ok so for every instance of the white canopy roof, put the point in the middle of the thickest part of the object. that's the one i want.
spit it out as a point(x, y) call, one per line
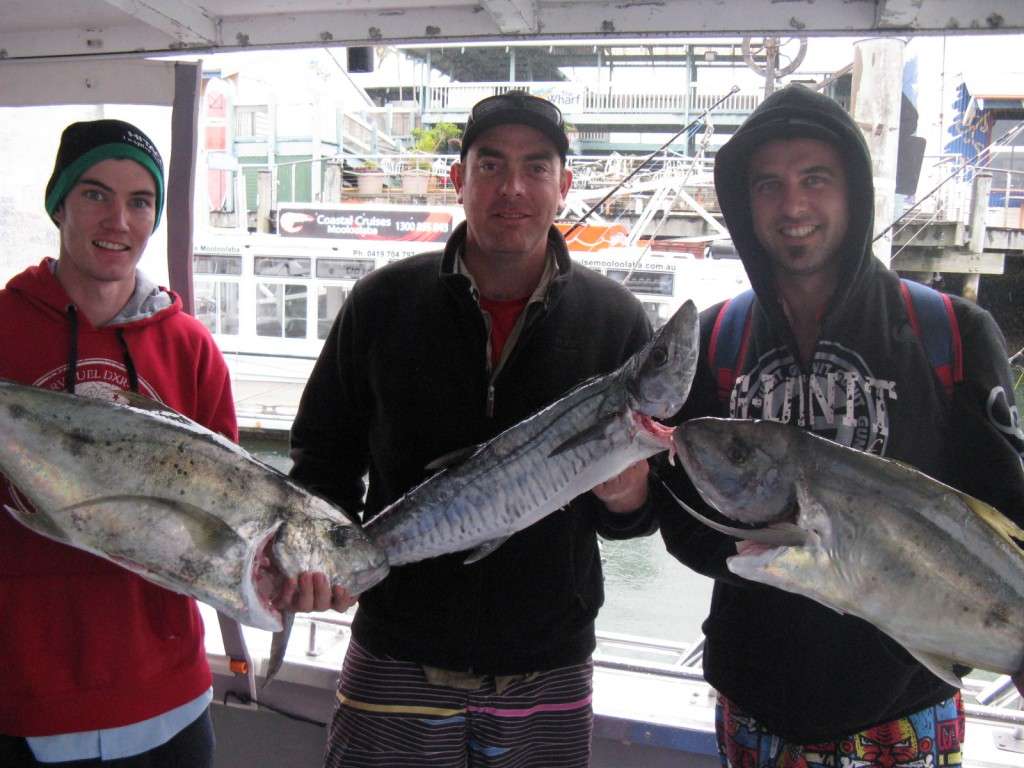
point(31, 29)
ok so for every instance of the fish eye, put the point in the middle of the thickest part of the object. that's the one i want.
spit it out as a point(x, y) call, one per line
point(659, 356)
point(737, 454)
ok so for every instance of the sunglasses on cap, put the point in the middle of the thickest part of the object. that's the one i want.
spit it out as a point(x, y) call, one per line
point(516, 100)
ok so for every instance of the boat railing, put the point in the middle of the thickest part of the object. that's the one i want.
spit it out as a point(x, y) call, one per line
point(992, 700)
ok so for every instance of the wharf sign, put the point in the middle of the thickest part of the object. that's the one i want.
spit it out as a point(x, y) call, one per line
point(409, 225)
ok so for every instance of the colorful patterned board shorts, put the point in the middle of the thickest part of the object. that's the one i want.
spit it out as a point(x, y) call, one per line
point(390, 716)
point(930, 738)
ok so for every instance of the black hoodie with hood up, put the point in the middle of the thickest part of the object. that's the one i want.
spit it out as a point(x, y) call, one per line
point(806, 672)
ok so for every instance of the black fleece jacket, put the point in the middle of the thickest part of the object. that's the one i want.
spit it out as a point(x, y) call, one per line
point(402, 380)
point(804, 671)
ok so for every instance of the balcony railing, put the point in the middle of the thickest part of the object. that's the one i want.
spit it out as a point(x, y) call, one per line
point(577, 101)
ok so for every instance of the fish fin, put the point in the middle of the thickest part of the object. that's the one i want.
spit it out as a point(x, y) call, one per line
point(594, 432)
point(40, 522)
point(939, 666)
point(996, 520)
point(484, 550)
point(777, 534)
point(206, 528)
point(452, 458)
point(125, 397)
point(277, 648)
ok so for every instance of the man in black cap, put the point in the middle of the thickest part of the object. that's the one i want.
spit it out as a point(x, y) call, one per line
point(453, 664)
point(832, 341)
point(99, 664)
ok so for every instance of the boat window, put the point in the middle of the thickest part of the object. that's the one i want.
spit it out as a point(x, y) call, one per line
point(343, 269)
point(283, 266)
point(654, 283)
point(208, 264)
point(281, 310)
point(328, 303)
point(216, 305)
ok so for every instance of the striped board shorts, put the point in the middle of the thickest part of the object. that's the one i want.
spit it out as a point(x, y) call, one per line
point(388, 714)
point(930, 738)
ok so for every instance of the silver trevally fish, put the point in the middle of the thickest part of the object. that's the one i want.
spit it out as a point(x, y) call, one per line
point(543, 462)
point(147, 488)
point(937, 570)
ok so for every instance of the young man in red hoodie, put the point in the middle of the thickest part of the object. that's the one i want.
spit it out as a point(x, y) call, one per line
point(99, 664)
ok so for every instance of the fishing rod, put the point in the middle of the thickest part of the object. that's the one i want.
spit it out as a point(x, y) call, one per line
point(698, 119)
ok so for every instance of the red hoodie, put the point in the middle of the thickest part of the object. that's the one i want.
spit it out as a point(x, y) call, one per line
point(86, 644)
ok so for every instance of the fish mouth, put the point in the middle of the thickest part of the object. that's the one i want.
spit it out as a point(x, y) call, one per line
point(266, 583)
point(658, 432)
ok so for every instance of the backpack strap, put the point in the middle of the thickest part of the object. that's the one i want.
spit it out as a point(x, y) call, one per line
point(934, 322)
point(729, 340)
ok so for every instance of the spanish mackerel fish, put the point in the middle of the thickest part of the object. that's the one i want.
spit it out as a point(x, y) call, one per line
point(149, 489)
point(936, 570)
point(543, 462)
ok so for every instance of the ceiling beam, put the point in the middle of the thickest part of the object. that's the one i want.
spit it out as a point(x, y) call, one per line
point(951, 15)
point(186, 24)
point(168, 26)
point(513, 17)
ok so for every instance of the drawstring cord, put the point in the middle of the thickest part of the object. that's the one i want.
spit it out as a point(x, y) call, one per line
point(129, 364)
point(72, 368)
point(71, 373)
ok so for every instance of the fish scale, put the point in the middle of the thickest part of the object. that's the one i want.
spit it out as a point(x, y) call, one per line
point(545, 461)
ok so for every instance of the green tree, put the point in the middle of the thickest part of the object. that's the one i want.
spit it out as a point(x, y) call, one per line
point(434, 140)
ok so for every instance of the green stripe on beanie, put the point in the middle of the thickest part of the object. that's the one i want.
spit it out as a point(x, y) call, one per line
point(85, 144)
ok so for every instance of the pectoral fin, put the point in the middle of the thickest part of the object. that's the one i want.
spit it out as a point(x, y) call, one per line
point(40, 522)
point(941, 667)
point(277, 648)
point(484, 550)
point(206, 530)
point(776, 534)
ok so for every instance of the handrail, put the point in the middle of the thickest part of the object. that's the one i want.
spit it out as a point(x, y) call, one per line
point(686, 666)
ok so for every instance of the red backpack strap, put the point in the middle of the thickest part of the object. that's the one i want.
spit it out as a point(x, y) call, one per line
point(729, 340)
point(935, 325)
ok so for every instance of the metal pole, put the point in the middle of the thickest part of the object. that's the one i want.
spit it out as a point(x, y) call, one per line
point(875, 106)
point(980, 190)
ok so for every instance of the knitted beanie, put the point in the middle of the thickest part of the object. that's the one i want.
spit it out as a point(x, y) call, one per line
point(84, 144)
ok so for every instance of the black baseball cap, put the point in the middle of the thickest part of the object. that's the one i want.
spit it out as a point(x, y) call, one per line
point(516, 107)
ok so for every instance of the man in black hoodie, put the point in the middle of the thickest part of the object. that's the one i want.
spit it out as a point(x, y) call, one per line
point(798, 681)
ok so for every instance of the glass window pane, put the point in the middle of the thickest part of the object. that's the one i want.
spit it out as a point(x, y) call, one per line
point(656, 283)
point(343, 269)
point(205, 264)
point(227, 315)
point(283, 266)
point(328, 303)
point(205, 300)
point(269, 309)
point(295, 311)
